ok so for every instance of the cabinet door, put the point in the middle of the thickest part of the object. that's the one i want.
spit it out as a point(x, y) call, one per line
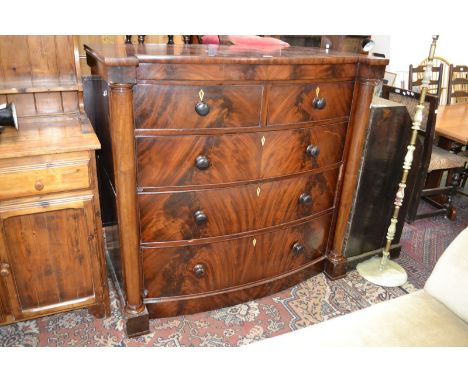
point(49, 254)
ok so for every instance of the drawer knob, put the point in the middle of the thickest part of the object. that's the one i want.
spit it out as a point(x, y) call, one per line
point(202, 162)
point(39, 185)
point(305, 199)
point(202, 108)
point(319, 102)
point(298, 247)
point(4, 270)
point(199, 270)
point(200, 217)
point(312, 150)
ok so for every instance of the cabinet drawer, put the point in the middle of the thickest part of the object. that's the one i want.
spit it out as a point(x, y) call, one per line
point(203, 268)
point(294, 103)
point(172, 216)
point(172, 161)
point(173, 107)
point(44, 174)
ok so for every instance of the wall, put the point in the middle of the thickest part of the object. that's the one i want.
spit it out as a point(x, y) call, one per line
point(403, 50)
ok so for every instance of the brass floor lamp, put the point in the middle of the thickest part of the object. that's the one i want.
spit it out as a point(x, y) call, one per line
point(383, 271)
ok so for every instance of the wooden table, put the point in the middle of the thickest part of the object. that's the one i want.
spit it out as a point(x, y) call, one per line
point(452, 122)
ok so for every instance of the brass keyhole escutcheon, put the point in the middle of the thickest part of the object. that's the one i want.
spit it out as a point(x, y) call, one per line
point(201, 94)
point(258, 191)
point(254, 242)
point(263, 141)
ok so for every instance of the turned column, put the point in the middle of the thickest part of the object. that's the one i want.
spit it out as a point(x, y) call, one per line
point(123, 143)
point(367, 79)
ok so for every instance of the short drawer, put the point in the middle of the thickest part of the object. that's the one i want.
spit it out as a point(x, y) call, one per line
point(212, 159)
point(202, 268)
point(299, 103)
point(44, 174)
point(174, 107)
point(187, 215)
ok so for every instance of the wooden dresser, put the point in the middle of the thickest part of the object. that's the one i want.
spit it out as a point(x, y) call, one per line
point(51, 249)
point(228, 168)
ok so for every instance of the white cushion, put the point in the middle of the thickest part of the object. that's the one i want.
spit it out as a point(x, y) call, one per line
point(448, 282)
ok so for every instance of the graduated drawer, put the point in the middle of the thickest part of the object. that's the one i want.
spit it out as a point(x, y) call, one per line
point(44, 174)
point(174, 160)
point(187, 215)
point(202, 268)
point(299, 103)
point(173, 106)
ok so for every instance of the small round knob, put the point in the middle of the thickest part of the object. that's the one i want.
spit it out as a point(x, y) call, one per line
point(319, 102)
point(312, 150)
point(199, 270)
point(305, 199)
point(200, 217)
point(298, 247)
point(39, 185)
point(202, 108)
point(202, 162)
point(4, 270)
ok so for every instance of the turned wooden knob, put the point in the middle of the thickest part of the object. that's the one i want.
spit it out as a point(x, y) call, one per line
point(202, 162)
point(305, 199)
point(202, 108)
point(4, 270)
point(39, 185)
point(312, 150)
point(319, 102)
point(200, 217)
point(298, 247)
point(199, 270)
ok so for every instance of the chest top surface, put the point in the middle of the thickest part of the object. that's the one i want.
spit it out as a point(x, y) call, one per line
point(132, 55)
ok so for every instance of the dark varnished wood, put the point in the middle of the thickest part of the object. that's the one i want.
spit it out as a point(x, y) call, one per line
point(165, 106)
point(251, 94)
point(170, 161)
point(170, 216)
point(172, 271)
point(294, 103)
point(172, 306)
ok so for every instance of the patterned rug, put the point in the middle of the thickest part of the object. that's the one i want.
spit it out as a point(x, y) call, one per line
point(312, 301)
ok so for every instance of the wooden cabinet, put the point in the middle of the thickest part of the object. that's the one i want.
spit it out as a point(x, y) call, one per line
point(232, 171)
point(51, 247)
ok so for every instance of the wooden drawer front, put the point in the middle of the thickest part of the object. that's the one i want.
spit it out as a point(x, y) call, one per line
point(171, 161)
point(294, 103)
point(43, 174)
point(173, 107)
point(171, 216)
point(202, 268)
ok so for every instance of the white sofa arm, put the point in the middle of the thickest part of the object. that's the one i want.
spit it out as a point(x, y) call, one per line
point(448, 282)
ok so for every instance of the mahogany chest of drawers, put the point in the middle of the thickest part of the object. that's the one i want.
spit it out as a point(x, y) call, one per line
point(232, 170)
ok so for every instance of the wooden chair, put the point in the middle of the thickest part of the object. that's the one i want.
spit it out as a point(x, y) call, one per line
point(457, 84)
point(416, 76)
point(428, 158)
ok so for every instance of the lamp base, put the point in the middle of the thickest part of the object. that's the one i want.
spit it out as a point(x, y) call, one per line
point(392, 274)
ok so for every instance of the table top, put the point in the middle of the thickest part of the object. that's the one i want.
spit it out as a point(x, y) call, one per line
point(452, 122)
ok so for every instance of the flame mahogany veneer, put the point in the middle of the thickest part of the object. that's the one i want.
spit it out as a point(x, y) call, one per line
point(232, 170)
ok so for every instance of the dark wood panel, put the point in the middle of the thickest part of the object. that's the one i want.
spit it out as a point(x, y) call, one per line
point(207, 72)
point(177, 306)
point(173, 271)
point(171, 216)
point(167, 106)
point(171, 161)
point(50, 257)
point(295, 103)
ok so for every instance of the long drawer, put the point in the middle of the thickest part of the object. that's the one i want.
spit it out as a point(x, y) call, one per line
point(44, 174)
point(173, 106)
point(211, 159)
point(187, 215)
point(202, 268)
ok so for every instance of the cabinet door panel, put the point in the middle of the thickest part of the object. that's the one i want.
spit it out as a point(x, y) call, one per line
point(50, 257)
